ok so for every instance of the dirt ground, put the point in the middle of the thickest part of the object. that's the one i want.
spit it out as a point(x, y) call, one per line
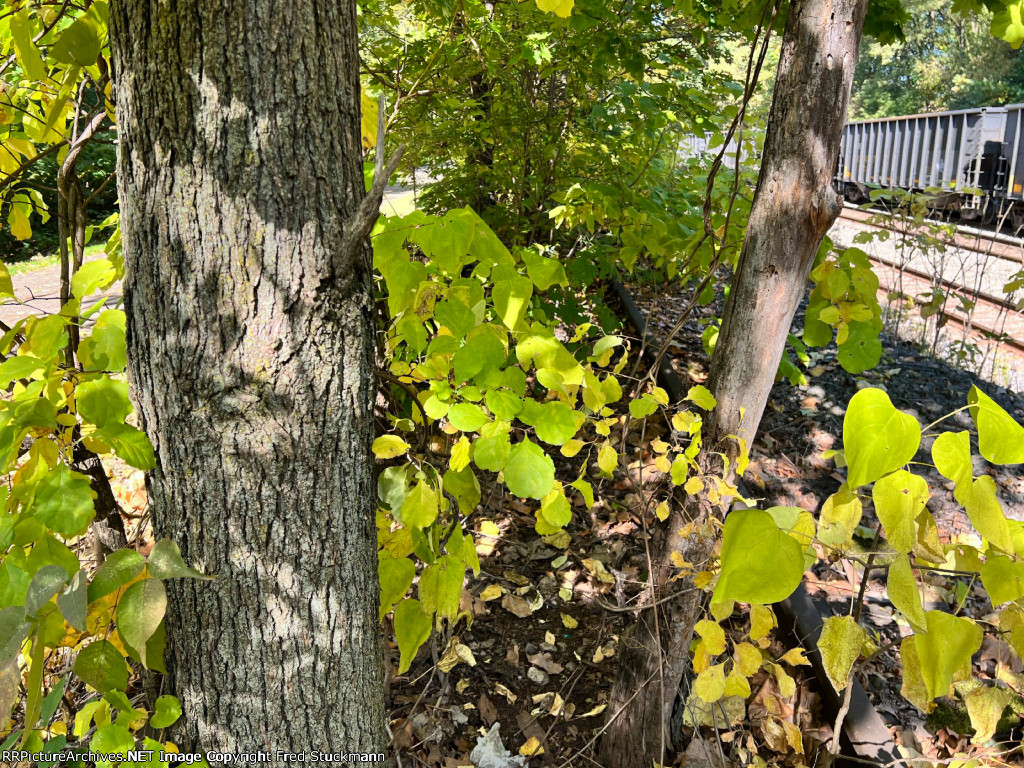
point(548, 616)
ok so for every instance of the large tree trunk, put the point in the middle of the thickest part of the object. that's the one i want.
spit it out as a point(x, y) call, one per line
point(793, 208)
point(250, 348)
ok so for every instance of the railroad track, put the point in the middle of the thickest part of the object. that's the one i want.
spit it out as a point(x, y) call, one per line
point(993, 315)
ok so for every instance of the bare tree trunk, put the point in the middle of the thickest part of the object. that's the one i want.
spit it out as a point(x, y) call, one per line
point(250, 347)
point(793, 208)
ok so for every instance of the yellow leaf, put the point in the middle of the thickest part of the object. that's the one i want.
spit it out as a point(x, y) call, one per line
point(712, 634)
point(531, 747)
point(662, 511)
point(693, 486)
point(596, 568)
point(571, 447)
point(558, 7)
point(793, 736)
point(369, 121)
point(568, 621)
point(679, 562)
point(703, 580)
point(762, 621)
point(710, 684)
point(736, 684)
point(18, 221)
point(787, 685)
point(389, 446)
point(985, 707)
point(488, 534)
point(842, 640)
point(701, 657)
point(461, 452)
point(796, 657)
point(607, 458)
point(491, 592)
point(499, 688)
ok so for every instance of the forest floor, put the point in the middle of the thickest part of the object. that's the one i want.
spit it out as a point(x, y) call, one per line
point(537, 649)
point(546, 616)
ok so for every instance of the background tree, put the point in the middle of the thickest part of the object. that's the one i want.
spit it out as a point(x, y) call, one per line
point(250, 336)
point(947, 60)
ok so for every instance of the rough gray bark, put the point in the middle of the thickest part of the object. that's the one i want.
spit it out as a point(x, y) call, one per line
point(793, 208)
point(250, 348)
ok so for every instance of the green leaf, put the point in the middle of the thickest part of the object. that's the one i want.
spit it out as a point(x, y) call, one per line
point(903, 592)
point(396, 575)
point(165, 562)
point(467, 417)
point(760, 562)
point(986, 513)
point(951, 454)
point(440, 586)
point(6, 284)
point(944, 649)
point(555, 509)
point(102, 666)
point(46, 336)
point(93, 275)
point(586, 491)
point(511, 298)
point(130, 444)
point(491, 453)
point(899, 498)
point(1007, 23)
point(842, 641)
point(504, 404)
point(104, 348)
point(412, 628)
point(557, 423)
point(544, 272)
point(529, 472)
point(166, 712)
point(419, 509)
point(861, 349)
point(52, 701)
point(1002, 578)
point(464, 486)
point(118, 569)
point(103, 401)
point(393, 485)
point(1000, 438)
point(13, 631)
point(642, 406)
point(139, 613)
point(455, 316)
point(112, 739)
point(152, 655)
point(19, 367)
point(45, 584)
point(446, 240)
point(63, 501)
point(28, 55)
point(877, 438)
point(73, 602)
point(701, 397)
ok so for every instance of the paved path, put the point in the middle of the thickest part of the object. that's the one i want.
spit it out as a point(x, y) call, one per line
point(40, 292)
